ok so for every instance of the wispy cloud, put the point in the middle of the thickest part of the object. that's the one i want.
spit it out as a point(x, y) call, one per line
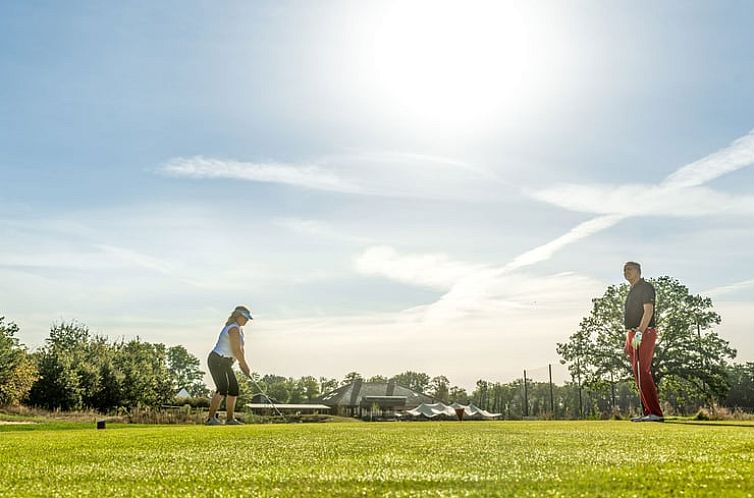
point(680, 194)
point(471, 289)
point(546, 251)
point(436, 271)
point(307, 176)
point(389, 174)
point(645, 200)
point(729, 288)
point(736, 156)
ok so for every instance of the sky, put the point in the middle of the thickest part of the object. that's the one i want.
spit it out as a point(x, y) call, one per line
point(389, 185)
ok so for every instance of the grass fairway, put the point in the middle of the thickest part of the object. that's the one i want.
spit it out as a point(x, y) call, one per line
point(445, 459)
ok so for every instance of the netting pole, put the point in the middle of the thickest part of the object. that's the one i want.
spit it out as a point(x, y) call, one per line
point(526, 397)
point(581, 403)
point(552, 400)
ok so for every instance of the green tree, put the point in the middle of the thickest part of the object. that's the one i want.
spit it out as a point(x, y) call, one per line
point(327, 385)
point(101, 386)
point(184, 371)
point(689, 355)
point(741, 394)
point(350, 378)
point(146, 380)
point(111, 383)
point(439, 388)
point(295, 391)
point(380, 379)
point(17, 370)
point(416, 381)
point(276, 387)
point(64, 375)
point(480, 395)
point(246, 388)
point(458, 395)
point(309, 387)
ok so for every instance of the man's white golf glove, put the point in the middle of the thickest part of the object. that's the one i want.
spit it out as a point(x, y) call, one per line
point(636, 341)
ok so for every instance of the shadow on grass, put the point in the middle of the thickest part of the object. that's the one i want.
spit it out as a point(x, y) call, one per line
point(712, 423)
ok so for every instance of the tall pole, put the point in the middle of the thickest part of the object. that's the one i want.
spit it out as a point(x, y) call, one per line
point(552, 400)
point(581, 403)
point(526, 397)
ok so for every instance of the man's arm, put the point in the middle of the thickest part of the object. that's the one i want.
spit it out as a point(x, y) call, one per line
point(649, 309)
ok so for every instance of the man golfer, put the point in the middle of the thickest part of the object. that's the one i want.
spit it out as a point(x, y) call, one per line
point(641, 336)
point(229, 348)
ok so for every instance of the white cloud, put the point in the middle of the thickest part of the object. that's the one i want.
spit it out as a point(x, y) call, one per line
point(729, 288)
point(645, 200)
point(489, 294)
point(435, 271)
point(736, 156)
point(678, 195)
point(388, 174)
point(546, 251)
point(307, 176)
point(474, 291)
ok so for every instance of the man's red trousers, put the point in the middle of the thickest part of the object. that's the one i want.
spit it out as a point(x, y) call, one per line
point(641, 362)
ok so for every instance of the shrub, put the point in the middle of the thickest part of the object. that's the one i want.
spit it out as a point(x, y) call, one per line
point(195, 402)
point(702, 414)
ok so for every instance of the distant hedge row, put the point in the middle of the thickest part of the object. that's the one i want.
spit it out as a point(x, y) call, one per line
point(76, 369)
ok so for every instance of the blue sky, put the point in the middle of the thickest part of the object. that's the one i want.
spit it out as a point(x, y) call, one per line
point(388, 185)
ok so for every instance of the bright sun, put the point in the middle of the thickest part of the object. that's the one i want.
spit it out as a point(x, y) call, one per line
point(463, 63)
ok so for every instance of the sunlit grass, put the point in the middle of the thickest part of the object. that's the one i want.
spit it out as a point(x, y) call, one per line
point(382, 459)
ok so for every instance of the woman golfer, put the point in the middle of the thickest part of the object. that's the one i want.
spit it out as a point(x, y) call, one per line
point(229, 348)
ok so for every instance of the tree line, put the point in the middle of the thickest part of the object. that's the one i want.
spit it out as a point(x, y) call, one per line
point(77, 369)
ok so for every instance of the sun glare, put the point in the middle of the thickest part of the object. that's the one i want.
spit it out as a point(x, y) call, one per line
point(461, 63)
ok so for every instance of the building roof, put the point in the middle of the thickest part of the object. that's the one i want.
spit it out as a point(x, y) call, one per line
point(352, 395)
point(383, 401)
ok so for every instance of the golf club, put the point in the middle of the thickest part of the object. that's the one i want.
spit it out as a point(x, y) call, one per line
point(638, 374)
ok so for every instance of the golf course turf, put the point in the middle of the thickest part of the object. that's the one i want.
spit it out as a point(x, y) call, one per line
point(419, 459)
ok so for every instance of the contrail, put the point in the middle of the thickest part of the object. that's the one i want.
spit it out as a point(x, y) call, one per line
point(736, 156)
point(546, 251)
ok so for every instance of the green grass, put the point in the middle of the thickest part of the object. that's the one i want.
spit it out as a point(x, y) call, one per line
point(437, 459)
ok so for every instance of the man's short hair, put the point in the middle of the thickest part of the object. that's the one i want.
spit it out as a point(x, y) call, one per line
point(634, 264)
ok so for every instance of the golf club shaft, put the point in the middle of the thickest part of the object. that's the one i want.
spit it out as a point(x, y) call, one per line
point(638, 375)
